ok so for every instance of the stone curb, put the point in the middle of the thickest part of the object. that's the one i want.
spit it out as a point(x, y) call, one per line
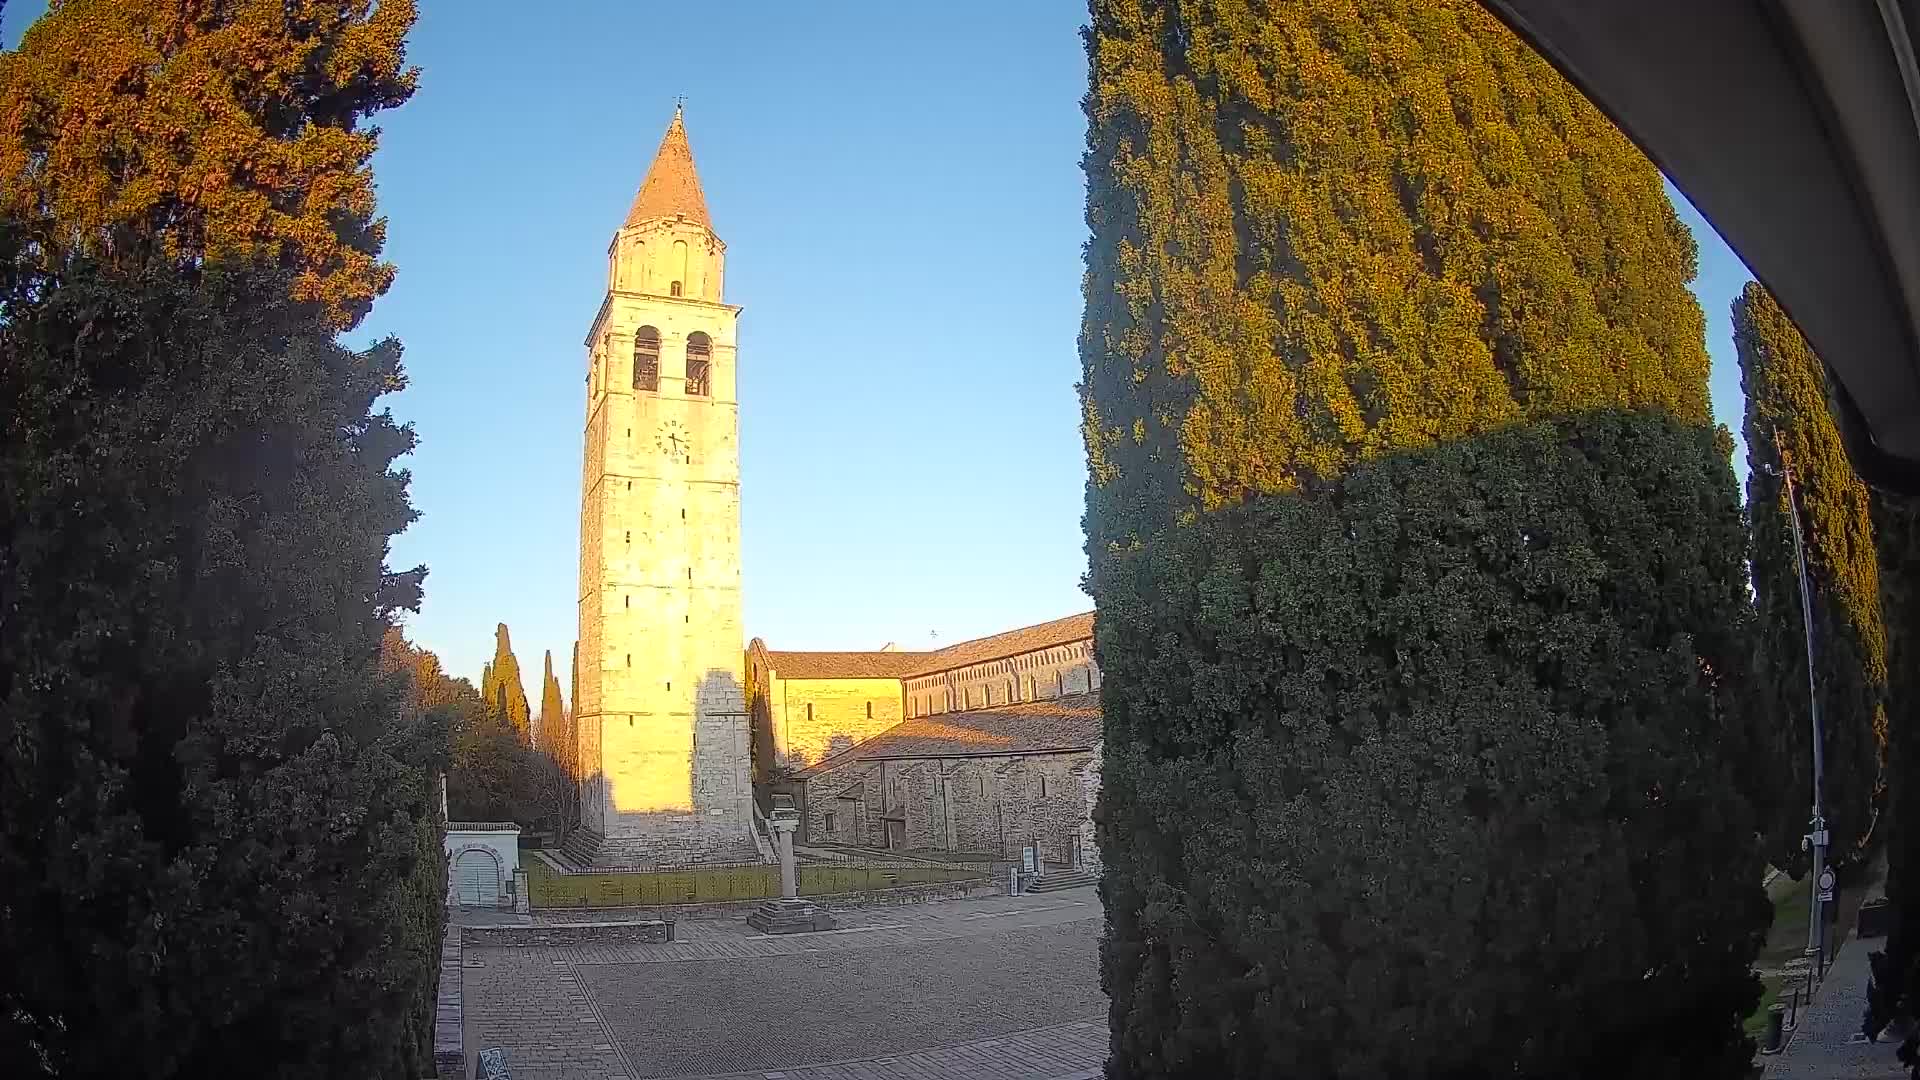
point(449, 1023)
point(610, 932)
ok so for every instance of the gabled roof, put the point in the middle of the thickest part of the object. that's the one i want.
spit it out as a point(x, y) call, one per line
point(672, 186)
point(1011, 643)
point(1033, 727)
point(844, 665)
point(893, 664)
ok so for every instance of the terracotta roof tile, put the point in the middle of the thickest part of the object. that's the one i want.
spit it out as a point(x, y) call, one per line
point(1064, 723)
point(1011, 643)
point(905, 665)
point(843, 665)
point(672, 187)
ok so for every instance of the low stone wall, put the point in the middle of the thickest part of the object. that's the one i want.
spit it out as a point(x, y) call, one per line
point(612, 932)
point(449, 1024)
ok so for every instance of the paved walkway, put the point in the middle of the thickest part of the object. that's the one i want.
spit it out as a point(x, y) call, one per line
point(1828, 1043)
point(1002, 988)
point(1067, 1052)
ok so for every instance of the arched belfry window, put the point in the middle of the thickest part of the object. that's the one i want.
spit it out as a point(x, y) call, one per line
point(699, 365)
point(646, 359)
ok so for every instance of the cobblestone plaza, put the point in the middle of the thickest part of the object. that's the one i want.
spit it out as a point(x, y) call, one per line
point(1002, 988)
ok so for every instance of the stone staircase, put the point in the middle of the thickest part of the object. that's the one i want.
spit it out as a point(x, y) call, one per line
point(1056, 878)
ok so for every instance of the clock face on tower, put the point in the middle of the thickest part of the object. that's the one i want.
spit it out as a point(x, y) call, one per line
point(673, 442)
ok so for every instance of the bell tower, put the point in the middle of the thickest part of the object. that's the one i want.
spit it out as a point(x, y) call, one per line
point(662, 716)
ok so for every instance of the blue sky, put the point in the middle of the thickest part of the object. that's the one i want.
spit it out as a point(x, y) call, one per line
point(903, 230)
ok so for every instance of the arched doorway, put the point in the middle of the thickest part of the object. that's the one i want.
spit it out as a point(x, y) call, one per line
point(476, 878)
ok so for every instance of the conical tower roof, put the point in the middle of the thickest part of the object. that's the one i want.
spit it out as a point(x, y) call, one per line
point(672, 187)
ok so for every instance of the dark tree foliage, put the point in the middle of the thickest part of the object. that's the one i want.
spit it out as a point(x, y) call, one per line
point(1427, 745)
point(1787, 418)
point(1895, 990)
point(220, 845)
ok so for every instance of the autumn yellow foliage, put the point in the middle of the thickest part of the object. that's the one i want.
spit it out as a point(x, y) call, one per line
point(132, 130)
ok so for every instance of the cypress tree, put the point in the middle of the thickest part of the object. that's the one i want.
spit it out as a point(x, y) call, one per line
point(550, 710)
point(1419, 568)
point(1787, 419)
point(502, 689)
point(219, 841)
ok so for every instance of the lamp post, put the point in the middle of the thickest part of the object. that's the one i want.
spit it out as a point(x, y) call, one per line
point(1815, 841)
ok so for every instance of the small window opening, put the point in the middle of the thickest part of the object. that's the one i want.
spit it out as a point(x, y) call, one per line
point(869, 710)
point(674, 289)
point(629, 600)
point(1043, 786)
point(809, 710)
point(629, 659)
point(829, 821)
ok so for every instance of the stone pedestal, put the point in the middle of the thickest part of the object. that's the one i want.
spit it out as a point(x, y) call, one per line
point(790, 915)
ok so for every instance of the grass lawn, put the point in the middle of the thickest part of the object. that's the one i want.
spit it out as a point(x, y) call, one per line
point(1786, 940)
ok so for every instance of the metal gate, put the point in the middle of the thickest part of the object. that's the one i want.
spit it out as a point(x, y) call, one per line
point(477, 879)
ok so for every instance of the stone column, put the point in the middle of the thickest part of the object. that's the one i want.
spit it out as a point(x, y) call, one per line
point(783, 840)
point(788, 914)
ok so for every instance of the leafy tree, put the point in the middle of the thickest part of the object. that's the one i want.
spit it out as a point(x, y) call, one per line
point(1787, 420)
point(132, 131)
point(219, 830)
point(502, 689)
point(493, 775)
point(1418, 566)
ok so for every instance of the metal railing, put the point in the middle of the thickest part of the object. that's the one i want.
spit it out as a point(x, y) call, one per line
point(720, 884)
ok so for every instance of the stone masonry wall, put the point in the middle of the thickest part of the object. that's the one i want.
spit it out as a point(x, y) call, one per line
point(814, 718)
point(1033, 676)
point(987, 805)
point(662, 718)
